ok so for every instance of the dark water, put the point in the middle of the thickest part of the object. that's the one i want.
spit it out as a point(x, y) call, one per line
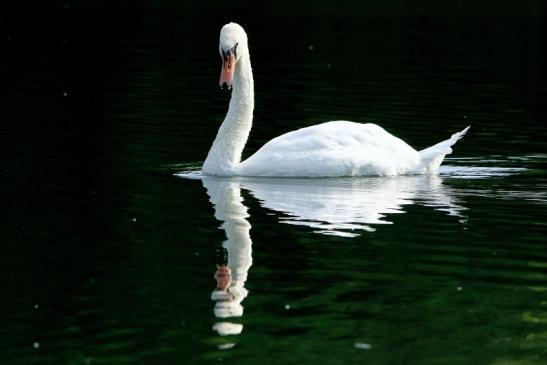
point(108, 256)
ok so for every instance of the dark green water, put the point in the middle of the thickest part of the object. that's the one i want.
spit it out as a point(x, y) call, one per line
point(108, 256)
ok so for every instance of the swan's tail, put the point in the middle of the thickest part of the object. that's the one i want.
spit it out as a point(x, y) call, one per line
point(432, 157)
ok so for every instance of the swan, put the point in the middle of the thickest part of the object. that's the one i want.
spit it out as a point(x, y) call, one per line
point(337, 148)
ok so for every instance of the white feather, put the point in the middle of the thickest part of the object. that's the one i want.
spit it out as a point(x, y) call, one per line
point(338, 148)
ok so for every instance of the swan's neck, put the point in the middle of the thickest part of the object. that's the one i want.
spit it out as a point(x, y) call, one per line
point(225, 154)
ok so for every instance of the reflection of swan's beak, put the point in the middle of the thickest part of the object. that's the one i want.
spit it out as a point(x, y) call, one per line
point(230, 277)
point(223, 275)
point(227, 71)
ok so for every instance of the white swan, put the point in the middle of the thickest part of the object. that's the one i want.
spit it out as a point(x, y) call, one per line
point(338, 148)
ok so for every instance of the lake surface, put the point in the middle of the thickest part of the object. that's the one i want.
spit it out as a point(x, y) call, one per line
point(111, 238)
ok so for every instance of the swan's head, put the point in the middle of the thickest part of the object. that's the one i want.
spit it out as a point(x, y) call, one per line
point(232, 44)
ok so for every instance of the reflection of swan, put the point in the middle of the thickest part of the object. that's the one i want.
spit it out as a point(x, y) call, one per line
point(333, 206)
point(230, 292)
point(337, 148)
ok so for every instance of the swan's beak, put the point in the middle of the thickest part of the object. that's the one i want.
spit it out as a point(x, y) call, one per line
point(227, 71)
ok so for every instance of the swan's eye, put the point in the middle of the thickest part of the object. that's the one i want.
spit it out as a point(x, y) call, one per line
point(224, 54)
point(234, 50)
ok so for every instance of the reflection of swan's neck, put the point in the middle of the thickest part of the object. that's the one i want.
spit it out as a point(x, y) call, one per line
point(225, 154)
point(231, 210)
point(228, 203)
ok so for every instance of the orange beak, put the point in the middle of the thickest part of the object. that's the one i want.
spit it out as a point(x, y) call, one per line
point(227, 71)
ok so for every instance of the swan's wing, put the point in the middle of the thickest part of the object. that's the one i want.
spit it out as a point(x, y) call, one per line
point(337, 148)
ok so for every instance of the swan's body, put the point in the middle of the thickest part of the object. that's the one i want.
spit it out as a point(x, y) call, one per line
point(338, 148)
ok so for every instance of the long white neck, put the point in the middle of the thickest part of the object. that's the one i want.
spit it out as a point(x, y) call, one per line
point(225, 153)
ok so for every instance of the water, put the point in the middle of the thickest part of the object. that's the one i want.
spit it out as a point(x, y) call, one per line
point(111, 239)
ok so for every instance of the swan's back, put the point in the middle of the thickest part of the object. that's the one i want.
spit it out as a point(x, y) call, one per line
point(338, 148)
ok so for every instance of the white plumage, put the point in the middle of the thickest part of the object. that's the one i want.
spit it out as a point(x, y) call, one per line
point(338, 148)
